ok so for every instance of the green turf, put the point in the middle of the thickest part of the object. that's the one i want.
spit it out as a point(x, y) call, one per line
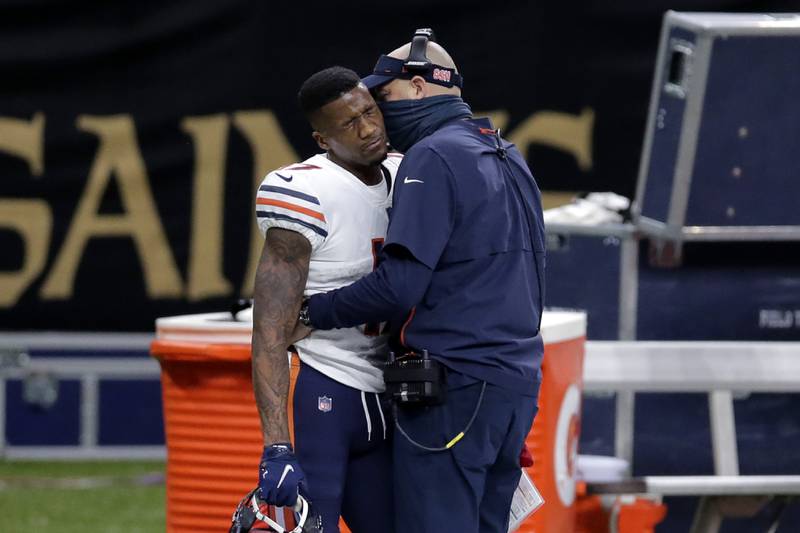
point(122, 507)
point(78, 468)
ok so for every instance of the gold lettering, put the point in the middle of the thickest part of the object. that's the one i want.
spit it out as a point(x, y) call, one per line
point(33, 221)
point(499, 118)
point(210, 137)
point(567, 132)
point(270, 150)
point(118, 155)
point(24, 139)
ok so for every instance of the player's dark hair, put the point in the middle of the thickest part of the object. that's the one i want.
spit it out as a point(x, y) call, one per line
point(324, 87)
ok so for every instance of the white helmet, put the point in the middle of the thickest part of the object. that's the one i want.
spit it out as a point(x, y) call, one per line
point(254, 515)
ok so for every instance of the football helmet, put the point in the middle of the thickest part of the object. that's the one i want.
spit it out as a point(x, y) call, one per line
point(254, 515)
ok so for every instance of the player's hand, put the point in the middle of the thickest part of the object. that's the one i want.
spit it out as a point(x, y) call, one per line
point(301, 331)
point(280, 477)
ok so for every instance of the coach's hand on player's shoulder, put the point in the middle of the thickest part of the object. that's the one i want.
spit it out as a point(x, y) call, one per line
point(280, 477)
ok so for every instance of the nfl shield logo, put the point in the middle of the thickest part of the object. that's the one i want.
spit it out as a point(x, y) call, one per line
point(325, 404)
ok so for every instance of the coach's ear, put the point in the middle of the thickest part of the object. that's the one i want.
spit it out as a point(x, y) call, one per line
point(320, 139)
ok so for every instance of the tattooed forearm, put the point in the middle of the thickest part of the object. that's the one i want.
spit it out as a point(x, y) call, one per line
point(280, 279)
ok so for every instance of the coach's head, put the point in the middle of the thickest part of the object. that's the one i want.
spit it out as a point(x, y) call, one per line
point(346, 121)
point(417, 100)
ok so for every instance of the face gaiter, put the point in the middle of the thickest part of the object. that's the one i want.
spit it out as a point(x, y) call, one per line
point(409, 121)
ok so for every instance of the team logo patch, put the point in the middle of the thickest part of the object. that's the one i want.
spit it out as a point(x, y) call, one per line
point(442, 75)
point(325, 404)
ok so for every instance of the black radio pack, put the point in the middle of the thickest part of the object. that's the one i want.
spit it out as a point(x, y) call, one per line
point(415, 379)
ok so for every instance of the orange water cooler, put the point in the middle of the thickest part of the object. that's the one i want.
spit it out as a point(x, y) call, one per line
point(210, 419)
point(553, 441)
point(214, 437)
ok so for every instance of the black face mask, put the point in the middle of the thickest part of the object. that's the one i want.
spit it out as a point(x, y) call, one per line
point(409, 121)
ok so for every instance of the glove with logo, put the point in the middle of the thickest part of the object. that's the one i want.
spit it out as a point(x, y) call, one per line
point(280, 477)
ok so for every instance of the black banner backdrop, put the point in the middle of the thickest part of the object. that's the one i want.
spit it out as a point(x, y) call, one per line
point(132, 135)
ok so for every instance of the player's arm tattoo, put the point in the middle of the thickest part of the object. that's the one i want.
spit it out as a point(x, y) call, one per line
point(280, 279)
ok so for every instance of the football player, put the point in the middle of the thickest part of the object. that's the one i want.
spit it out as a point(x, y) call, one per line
point(324, 221)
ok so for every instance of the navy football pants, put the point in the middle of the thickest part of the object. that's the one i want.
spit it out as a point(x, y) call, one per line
point(342, 440)
point(468, 488)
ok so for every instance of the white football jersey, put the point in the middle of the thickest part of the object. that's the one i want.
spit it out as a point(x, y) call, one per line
point(345, 221)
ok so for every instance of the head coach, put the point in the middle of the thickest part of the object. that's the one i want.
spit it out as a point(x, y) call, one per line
point(461, 281)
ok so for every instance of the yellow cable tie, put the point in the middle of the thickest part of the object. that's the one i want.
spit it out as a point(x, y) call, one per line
point(455, 440)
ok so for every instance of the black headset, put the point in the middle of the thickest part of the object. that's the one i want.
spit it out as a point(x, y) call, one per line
point(417, 61)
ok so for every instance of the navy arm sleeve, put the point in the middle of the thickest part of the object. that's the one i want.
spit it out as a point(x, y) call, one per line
point(421, 222)
point(396, 286)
